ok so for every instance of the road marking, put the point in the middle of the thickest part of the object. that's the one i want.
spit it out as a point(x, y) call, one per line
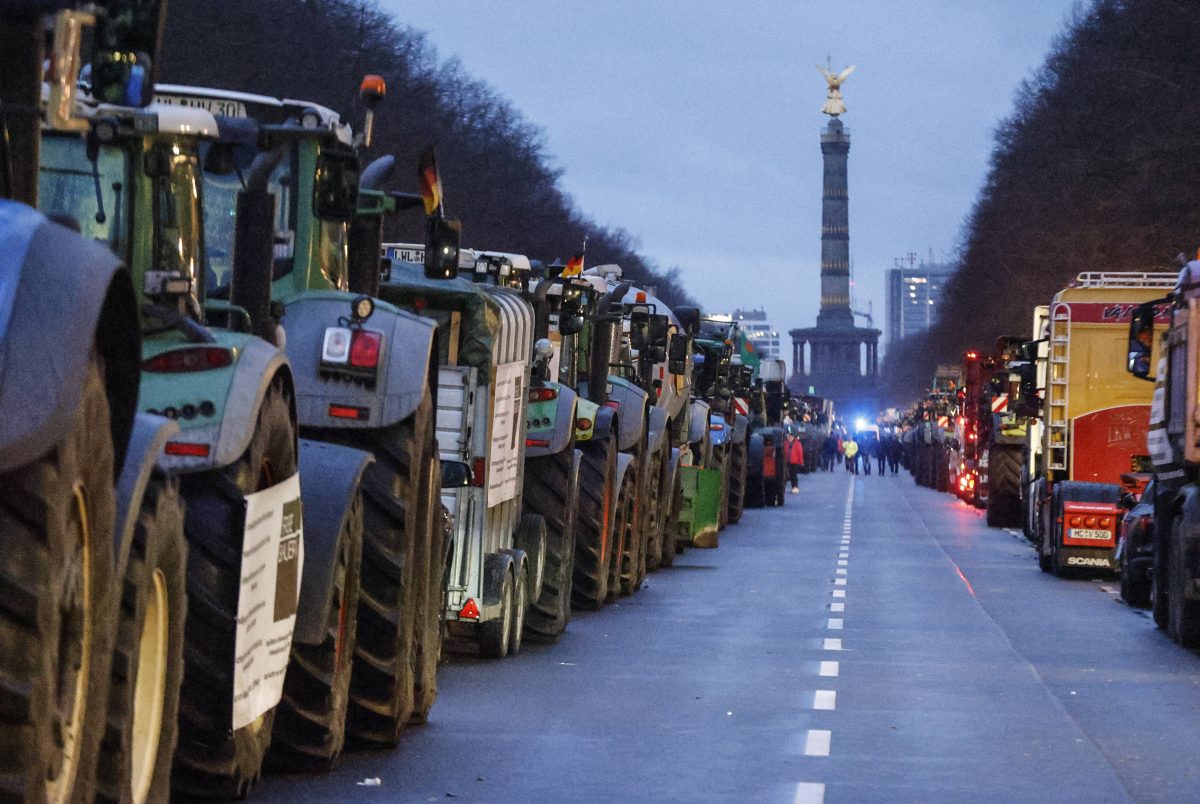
point(832, 644)
point(843, 555)
point(817, 743)
point(828, 669)
point(839, 592)
point(1110, 589)
point(840, 571)
point(835, 624)
point(825, 699)
point(842, 562)
point(837, 606)
point(809, 793)
point(840, 581)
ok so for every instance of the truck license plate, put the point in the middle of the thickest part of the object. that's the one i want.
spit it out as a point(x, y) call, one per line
point(1089, 533)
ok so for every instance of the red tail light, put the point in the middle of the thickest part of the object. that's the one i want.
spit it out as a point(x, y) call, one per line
point(194, 358)
point(469, 611)
point(583, 424)
point(1075, 522)
point(478, 470)
point(536, 442)
point(186, 449)
point(542, 394)
point(349, 412)
point(364, 348)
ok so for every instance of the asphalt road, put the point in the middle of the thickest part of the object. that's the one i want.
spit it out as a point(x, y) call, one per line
point(872, 641)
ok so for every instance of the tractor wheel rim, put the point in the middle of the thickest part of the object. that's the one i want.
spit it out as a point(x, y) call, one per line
point(151, 688)
point(74, 658)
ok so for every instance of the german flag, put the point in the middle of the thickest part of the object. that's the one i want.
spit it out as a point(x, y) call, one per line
point(431, 183)
point(574, 266)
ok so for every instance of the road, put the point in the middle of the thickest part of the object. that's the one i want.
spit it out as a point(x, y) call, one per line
point(870, 641)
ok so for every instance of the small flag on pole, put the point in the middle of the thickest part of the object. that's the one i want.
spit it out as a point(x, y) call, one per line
point(431, 183)
point(574, 266)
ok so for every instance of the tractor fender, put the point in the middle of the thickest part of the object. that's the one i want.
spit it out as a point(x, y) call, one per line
point(624, 461)
point(402, 376)
point(672, 473)
point(495, 567)
point(61, 295)
point(698, 421)
point(146, 442)
point(329, 480)
point(718, 431)
point(602, 428)
point(657, 429)
point(564, 426)
point(258, 366)
point(631, 402)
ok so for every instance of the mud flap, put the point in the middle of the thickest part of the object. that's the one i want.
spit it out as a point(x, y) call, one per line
point(698, 518)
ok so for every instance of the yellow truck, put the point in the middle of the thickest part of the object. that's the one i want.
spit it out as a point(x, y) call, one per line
point(1095, 418)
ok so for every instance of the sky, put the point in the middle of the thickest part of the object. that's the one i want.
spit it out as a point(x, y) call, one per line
point(695, 124)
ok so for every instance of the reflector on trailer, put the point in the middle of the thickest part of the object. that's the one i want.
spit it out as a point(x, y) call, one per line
point(349, 412)
point(469, 611)
point(536, 442)
point(190, 450)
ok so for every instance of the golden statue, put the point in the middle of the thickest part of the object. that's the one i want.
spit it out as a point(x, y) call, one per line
point(833, 101)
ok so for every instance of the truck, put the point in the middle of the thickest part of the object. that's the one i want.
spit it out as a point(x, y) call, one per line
point(1163, 338)
point(1096, 419)
point(91, 528)
point(364, 375)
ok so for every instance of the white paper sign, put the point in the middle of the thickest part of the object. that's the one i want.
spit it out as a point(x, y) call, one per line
point(272, 565)
point(507, 432)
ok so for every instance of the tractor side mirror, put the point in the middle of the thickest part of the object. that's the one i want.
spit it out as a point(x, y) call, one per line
point(639, 327)
point(677, 353)
point(1141, 340)
point(689, 319)
point(571, 313)
point(442, 236)
point(456, 475)
point(335, 188)
point(659, 328)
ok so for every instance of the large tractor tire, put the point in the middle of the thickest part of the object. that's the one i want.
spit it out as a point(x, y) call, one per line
point(57, 515)
point(397, 525)
point(654, 508)
point(552, 491)
point(1135, 582)
point(147, 668)
point(211, 762)
point(629, 569)
point(431, 592)
point(310, 722)
point(1004, 487)
point(736, 501)
point(942, 470)
point(1183, 623)
point(594, 525)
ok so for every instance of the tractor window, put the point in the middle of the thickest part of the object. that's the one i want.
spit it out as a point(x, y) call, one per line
point(333, 252)
point(178, 231)
point(93, 197)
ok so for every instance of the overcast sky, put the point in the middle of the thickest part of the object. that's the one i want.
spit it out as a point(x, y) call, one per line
point(695, 124)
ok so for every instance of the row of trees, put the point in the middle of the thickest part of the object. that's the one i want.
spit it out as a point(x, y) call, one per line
point(496, 172)
point(1095, 170)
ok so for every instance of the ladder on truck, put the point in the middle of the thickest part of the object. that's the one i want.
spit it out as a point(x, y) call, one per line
point(1060, 354)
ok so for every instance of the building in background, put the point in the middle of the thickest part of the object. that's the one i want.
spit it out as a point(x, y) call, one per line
point(760, 332)
point(914, 296)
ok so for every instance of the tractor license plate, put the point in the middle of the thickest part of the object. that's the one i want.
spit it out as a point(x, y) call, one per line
point(1089, 533)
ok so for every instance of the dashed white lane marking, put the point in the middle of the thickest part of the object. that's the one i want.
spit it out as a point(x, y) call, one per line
point(816, 744)
point(843, 555)
point(825, 699)
point(843, 562)
point(809, 793)
point(837, 606)
point(840, 571)
point(833, 644)
point(840, 581)
point(828, 669)
point(835, 623)
point(839, 592)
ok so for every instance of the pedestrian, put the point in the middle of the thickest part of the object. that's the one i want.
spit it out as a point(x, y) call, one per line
point(850, 450)
point(795, 460)
point(828, 450)
point(880, 455)
point(894, 450)
point(864, 451)
point(841, 448)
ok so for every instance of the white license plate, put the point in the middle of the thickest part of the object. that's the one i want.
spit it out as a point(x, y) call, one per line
point(1089, 533)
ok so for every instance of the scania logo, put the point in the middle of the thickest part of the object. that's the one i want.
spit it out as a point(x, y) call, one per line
point(1080, 561)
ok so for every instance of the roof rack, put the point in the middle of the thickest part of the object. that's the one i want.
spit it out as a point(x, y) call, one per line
point(1126, 279)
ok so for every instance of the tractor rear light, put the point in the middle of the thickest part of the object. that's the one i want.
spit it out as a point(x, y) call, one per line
point(715, 426)
point(612, 403)
point(1089, 522)
point(1075, 522)
point(186, 449)
point(478, 472)
point(1105, 522)
point(469, 611)
point(196, 358)
point(536, 442)
point(364, 348)
point(336, 347)
point(349, 412)
point(542, 394)
point(583, 424)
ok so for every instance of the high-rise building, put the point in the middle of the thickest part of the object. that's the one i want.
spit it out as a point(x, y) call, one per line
point(914, 297)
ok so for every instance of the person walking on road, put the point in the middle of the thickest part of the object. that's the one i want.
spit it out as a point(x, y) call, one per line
point(881, 455)
point(828, 450)
point(850, 450)
point(893, 454)
point(795, 461)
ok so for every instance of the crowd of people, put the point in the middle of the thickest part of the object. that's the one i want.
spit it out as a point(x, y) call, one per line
point(857, 451)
